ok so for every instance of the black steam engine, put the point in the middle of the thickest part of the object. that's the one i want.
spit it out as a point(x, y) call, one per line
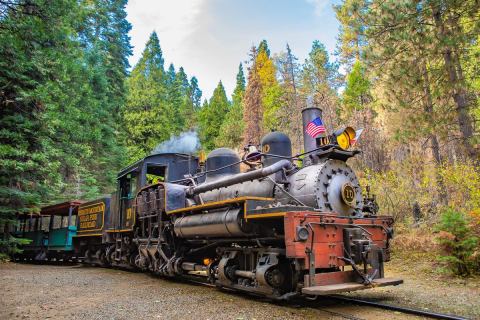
point(278, 229)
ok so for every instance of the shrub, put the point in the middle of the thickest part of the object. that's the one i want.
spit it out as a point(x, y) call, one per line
point(10, 245)
point(458, 242)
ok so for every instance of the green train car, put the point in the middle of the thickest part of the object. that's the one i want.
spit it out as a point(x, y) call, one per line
point(50, 232)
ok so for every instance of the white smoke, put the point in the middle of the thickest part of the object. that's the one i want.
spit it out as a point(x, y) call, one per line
point(186, 142)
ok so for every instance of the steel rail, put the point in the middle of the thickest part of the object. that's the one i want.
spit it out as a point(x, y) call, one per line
point(418, 312)
point(207, 284)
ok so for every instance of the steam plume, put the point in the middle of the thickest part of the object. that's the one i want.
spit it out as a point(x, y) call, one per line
point(186, 142)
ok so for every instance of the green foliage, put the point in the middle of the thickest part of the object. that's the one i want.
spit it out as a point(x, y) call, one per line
point(411, 180)
point(357, 88)
point(320, 80)
point(252, 104)
point(212, 116)
point(263, 47)
point(351, 39)
point(62, 70)
point(232, 127)
point(147, 116)
point(458, 242)
point(10, 245)
point(159, 103)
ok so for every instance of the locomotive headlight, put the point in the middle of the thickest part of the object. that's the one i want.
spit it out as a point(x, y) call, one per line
point(302, 233)
point(344, 137)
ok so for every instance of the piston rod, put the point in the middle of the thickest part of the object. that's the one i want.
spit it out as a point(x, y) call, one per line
point(245, 274)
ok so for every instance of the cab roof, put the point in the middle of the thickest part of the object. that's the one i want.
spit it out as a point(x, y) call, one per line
point(152, 159)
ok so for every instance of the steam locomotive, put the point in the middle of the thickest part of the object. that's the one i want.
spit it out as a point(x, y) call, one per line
point(277, 229)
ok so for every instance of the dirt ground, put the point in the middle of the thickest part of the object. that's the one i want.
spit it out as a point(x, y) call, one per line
point(80, 292)
point(425, 288)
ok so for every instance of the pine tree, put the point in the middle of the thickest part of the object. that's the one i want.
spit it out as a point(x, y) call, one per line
point(290, 114)
point(195, 93)
point(148, 116)
point(352, 39)
point(320, 79)
point(263, 47)
point(31, 71)
point(271, 90)
point(63, 67)
point(428, 44)
point(212, 116)
point(191, 105)
point(177, 90)
point(232, 127)
point(103, 35)
point(357, 88)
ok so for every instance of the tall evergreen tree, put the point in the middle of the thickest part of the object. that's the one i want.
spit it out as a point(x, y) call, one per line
point(212, 116)
point(263, 47)
point(351, 39)
point(357, 88)
point(63, 66)
point(195, 93)
point(28, 60)
point(232, 127)
point(147, 115)
point(103, 36)
point(320, 79)
point(291, 104)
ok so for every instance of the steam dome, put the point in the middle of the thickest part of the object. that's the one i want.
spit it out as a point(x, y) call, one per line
point(220, 158)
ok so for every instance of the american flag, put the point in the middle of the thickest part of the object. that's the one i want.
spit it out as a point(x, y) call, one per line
point(315, 127)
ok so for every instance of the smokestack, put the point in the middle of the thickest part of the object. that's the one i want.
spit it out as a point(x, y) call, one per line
point(308, 115)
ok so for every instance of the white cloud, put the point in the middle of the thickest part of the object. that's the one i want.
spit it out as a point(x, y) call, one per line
point(319, 6)
point(172, 20)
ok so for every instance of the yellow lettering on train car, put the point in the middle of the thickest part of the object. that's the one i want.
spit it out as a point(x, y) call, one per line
point(89, 216)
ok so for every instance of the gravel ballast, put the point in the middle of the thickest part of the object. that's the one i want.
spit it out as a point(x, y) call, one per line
point(80, 292)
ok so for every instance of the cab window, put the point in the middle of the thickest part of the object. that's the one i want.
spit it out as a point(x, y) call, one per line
point(128, 185)
point(156, 174)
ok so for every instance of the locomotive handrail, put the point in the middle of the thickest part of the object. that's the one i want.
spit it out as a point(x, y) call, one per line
point(240, 177)
point(216, 204)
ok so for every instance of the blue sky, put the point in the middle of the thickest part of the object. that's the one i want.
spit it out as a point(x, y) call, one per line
point(209, 38)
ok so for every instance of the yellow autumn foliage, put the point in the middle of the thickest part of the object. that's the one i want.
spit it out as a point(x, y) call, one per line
point(413, 181)
point(271, 90)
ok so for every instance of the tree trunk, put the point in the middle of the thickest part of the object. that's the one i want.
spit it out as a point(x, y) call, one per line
point(457, 83)
point(428, 107)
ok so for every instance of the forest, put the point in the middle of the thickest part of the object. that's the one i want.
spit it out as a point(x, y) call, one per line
point(74, 112)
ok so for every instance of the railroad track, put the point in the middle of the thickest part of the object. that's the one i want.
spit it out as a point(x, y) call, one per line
point(408, 310)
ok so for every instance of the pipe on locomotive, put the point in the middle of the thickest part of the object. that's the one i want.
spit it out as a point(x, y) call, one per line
point(308, 114)
point(241, 177)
